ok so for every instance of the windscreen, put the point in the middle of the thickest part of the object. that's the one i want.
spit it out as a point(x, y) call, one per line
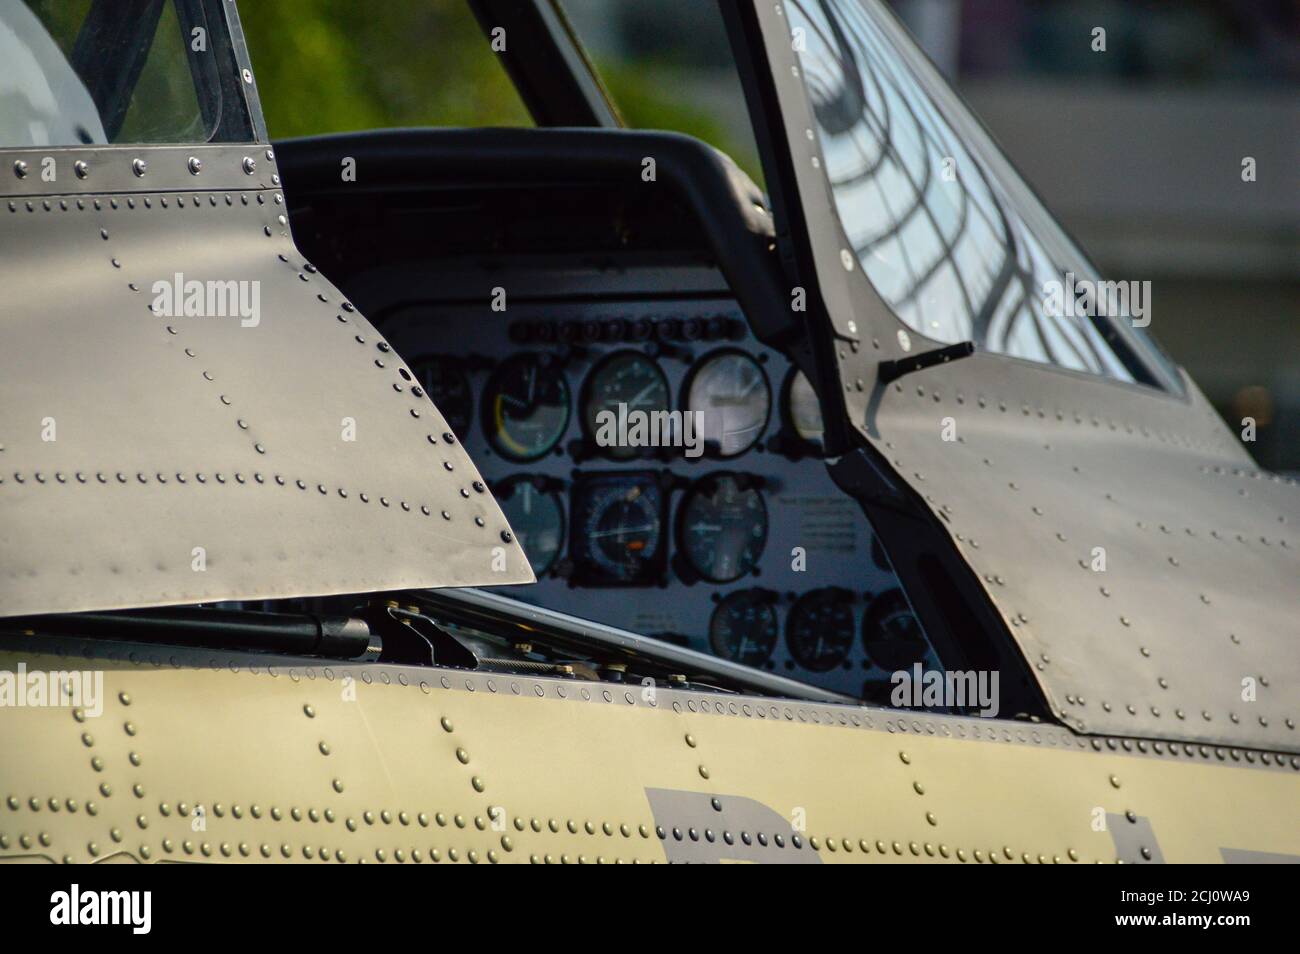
point(943, 227)
point(88, 72)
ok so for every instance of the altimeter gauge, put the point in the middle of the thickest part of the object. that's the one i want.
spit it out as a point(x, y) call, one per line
point(623, 402)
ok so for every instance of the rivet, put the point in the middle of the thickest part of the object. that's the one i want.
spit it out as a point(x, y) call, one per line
point(249, 165)
point(139, 167)
point(81, 169)
point(463, 756)
point(20, 169)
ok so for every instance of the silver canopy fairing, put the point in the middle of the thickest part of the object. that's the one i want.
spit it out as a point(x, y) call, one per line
point(150, 458)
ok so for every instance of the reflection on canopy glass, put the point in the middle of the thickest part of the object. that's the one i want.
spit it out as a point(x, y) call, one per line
point(942, 240)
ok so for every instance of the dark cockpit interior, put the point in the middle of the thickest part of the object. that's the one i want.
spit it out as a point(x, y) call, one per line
point(571, 317)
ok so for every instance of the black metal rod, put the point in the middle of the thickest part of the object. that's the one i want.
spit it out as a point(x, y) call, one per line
point(302, 634)
point(492, 611)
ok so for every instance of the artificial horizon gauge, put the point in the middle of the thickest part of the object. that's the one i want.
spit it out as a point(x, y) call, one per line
point(819, 628)
point(803, 410)
point(448, 388)
point(526, 406)
point(623, 391)
point(743, 627)
point(891, 633)
point(722, 527)
point(729, 390)
point(536, 516)
point(618, 534)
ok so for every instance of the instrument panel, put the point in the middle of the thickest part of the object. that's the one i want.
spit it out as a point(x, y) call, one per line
point(662, 471)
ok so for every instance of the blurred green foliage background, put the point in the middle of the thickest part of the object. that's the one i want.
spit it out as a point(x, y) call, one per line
point(335, 65)
point(338, 65)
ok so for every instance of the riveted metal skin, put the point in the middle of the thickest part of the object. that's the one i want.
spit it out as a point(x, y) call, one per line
point(397, 764)
point(113, 171)
point(220, 433)
point(1201, 561)
point(1196, 610)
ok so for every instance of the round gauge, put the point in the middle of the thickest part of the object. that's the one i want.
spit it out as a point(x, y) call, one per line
point(803, 410)
point(892, 634)
point(722, 526)
point(624, 384)
point(743, 628)
point(731, 394)
point(819, 629)
point(526, 407)
point(537, 518)
point(620, 528)
point(448, 388)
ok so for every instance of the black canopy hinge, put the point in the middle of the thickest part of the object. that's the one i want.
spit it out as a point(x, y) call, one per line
point(892, 370)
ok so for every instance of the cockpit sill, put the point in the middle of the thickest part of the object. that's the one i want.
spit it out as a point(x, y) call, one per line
point(617, 688)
